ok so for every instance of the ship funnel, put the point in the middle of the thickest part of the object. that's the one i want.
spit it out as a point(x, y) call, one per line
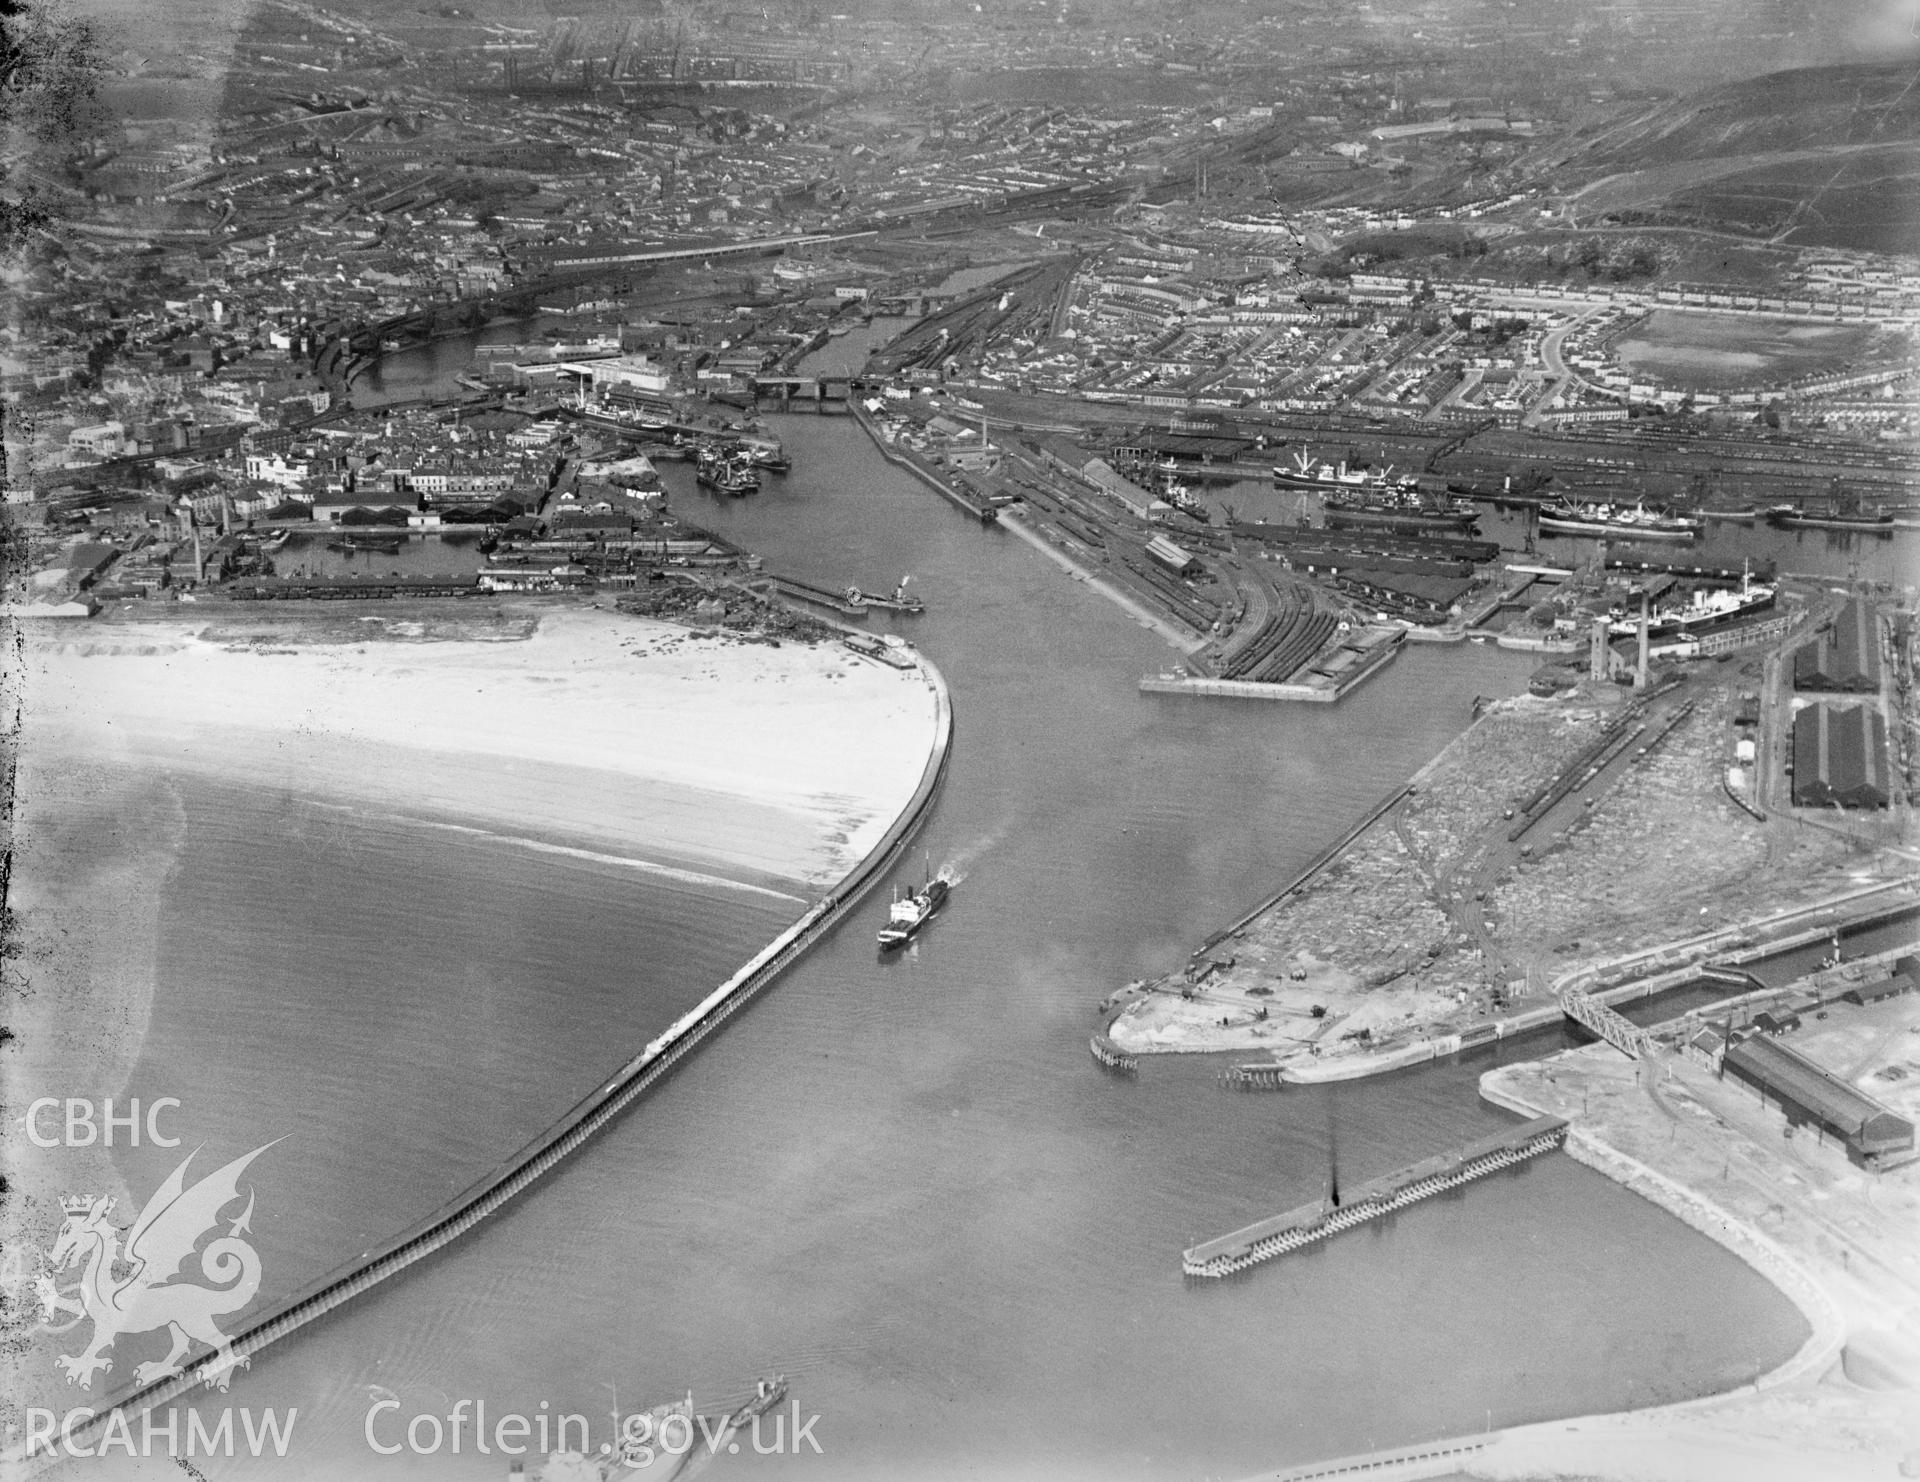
point(1333, 1155)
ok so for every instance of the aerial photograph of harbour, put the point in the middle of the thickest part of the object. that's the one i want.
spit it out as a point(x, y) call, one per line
point(1160, 740)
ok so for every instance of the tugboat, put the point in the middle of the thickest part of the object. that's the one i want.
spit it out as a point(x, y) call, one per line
point(1181, 498)
point(898, 602)
point(766, 454)
point(905, 917)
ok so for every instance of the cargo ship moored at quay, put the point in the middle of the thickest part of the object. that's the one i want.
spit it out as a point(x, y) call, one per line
point(1792, 517)
point(1628, 522)
point(1368, 499)
point(1704, 610)
point(1401, 512)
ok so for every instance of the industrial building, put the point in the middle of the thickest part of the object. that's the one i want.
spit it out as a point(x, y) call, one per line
point(1140, 503)
point(1175, 558)
point(1845, 656)
point(1840, 757)
point(1811, 1096)
point(1905, 978)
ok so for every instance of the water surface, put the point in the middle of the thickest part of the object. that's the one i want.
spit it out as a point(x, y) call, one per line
point(904, 1182)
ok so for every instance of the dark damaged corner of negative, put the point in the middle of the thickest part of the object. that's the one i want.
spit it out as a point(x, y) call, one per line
point(49, 96)
point(49, 73)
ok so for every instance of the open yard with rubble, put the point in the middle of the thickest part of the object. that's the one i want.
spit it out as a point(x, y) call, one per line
point(1365, 950)
point(1665, 854)
point(1433, 919)
point(1362, 942)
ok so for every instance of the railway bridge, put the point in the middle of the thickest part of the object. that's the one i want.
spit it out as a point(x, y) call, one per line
point(816, 392)
point(1620, 1032)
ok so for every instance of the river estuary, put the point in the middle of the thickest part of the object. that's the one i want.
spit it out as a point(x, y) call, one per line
point(904, 1183)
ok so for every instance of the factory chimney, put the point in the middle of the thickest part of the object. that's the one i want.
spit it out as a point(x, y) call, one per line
point(1640, 666)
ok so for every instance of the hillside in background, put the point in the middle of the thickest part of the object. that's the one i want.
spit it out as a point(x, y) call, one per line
point(1820, 156)
point(1809, 108)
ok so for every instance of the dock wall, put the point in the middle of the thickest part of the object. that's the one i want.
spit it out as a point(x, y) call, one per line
point(985, 514)
point(1326, 856)
point(1465, 1455)
point(1187, 643)
point(1450, 1458)
point(1660, 969)
point(1236, 689)
point(584, 1120)
point(1371, 663)
point(1314, 866)
point(1828, 1326)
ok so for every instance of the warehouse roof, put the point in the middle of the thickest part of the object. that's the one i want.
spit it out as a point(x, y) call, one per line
point(1839, 756)
point(1790, 1074)
point(1845, 656)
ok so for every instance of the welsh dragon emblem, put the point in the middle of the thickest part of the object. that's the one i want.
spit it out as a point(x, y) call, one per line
point(138, 1289)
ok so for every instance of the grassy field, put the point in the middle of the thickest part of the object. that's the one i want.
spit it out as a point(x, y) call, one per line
point(1710, 351)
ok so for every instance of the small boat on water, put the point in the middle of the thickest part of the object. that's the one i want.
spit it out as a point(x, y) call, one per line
point(670, 1437)
point(906, 916)
point(759, 448)
point(899, 601)
point(388, 545)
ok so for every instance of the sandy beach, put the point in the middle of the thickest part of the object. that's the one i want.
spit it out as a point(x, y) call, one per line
point(773, 768)
point(740, 766)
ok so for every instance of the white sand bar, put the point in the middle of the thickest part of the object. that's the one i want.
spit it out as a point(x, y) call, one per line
point(772, 767)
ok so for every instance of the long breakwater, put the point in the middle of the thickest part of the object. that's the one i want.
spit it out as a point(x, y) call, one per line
point(586, 1118)
point(1318, 1221)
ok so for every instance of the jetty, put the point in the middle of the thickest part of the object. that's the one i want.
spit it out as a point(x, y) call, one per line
point(1325, 1218)
point(851, 602)
point(1255, 1076)
point(1339, 667)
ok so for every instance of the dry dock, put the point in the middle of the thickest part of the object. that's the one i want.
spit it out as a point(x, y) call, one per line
point(1323, 1218)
